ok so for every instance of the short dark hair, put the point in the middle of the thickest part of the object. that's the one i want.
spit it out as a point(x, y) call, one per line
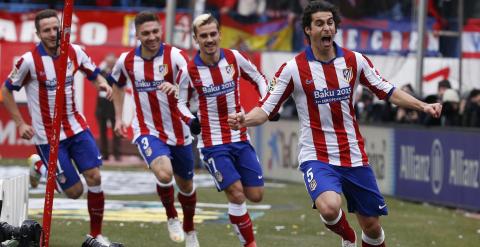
point(203, 19)
point(145, 16)
point(44, 14)
point(444, 83)
point(319, 6)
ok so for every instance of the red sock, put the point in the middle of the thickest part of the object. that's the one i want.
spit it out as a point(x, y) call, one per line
point(343, 229)
point(96, 205)
point(244, 228)
point(369, 245)
point(167, 198)
point(188, 206)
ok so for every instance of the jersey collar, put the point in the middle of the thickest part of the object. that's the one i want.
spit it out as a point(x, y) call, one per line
point(138, 52)
point(199, 62)
point(311, 57)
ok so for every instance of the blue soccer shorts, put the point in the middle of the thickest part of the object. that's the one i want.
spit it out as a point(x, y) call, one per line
point(82, 149)
point(358, 184)
point(151, 147)
point(228, 163)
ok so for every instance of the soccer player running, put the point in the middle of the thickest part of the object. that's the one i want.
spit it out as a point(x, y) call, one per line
point(215, 75)
point(37, 71)
point(162, 137)
point(332, 158)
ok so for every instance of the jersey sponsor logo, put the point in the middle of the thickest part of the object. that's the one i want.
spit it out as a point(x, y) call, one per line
point(348, 74)
point(163, 69)
point(13, 73)
point(51, 85)
point(326, 96)
point(147, 86)
point(272, 84)
point(217, 90)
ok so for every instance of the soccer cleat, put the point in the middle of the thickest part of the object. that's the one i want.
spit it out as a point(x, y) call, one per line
point(347, 243)
point(103, 240)
point(191, 239)
point(175, 230)
point(34, 172)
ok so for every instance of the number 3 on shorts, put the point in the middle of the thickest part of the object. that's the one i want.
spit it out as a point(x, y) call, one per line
point(145, 143)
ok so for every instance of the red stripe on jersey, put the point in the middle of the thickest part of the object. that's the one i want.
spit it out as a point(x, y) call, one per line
point(129, 60)
point(73, 56)
point(230, 57)
point(43, 93)
point(318, 137)
point(67, 128)
point(288, 91)
point(363, 79)
point(337, 115)
point(202, 106)
point(222, 105)
point(351, 61)
point(172, 101)
point(153, 101)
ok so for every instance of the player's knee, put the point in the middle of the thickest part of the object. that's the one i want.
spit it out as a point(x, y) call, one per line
point(255, 196)
point(328, 211)
point(236, 197)
point(186, 188)
point(75, 191)
point(93, 177)
point(371, 228)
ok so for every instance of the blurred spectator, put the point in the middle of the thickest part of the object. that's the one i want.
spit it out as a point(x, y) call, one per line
point(220, 7)
point(471, 114)
point(105, 113)
point(364, 104)
point(450, 111)
point(404, 115)
point(442, 86)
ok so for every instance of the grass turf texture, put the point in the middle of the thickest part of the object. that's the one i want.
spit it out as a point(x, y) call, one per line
point(409, 224)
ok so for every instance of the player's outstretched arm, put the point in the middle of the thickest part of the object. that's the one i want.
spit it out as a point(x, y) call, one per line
point(118, 97)
point(403, 99)
point(102, 85)
point(239, 120)
point(24, 129)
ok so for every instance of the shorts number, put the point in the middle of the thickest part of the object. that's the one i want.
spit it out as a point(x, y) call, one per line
point(309, 175)
point(145, 142)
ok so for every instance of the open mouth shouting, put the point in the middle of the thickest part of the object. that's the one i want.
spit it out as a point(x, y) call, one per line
point(326, 40)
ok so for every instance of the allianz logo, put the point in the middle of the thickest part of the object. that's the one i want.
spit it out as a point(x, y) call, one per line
point(429, 168)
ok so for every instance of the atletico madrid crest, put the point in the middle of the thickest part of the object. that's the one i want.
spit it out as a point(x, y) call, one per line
point(163, 69)
point(348, 74)
point(230, 70)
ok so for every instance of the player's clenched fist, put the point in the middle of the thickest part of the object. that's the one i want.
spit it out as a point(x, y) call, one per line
point(120, 129)
point(236, 120)
point(433, 109)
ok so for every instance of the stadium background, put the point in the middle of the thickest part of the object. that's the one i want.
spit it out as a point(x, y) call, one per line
point(413, 159)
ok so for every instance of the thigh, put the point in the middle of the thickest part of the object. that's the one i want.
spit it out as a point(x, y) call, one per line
point(247, 165)
point(151, 147)
point(66, 174)
point(362, 193)
point(320, 177)
point(220, 165)
point(182, 161)
point(84, 151)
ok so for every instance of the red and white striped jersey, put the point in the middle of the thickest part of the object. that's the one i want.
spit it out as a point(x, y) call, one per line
point(156, 113)
point(37, 72)
point(323, 94)
point(218, 93)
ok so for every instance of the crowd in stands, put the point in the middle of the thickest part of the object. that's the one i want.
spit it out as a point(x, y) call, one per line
point(457, 111)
